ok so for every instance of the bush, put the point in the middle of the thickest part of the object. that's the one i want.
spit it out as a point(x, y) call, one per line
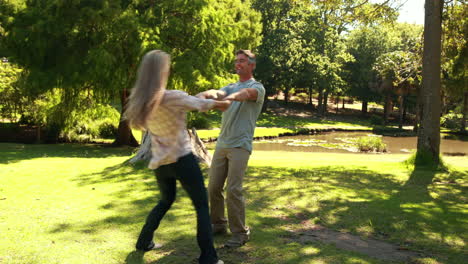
point(198, 120)
point(302, 97)
point(107, 129)
point(96, 121)
point(370, 144)
point(451, 121)
point(377, 120)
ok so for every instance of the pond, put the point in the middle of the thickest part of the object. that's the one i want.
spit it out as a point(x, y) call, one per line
point(343, 142)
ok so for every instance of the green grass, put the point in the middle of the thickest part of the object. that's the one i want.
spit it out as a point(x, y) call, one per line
point(270, 124)
point(285, 121)
point(81, 204)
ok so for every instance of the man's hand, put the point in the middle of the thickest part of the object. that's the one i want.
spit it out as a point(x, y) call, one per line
point(222, 105)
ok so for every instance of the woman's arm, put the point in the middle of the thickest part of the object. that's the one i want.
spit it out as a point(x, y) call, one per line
point(212, 94)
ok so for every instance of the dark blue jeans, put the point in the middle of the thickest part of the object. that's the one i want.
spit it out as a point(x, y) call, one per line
point(188, 172)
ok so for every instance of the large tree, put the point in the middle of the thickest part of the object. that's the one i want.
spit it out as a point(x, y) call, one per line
point(303, 45)
point(94, 47)
point(455, 59)
point(337, 17)
point(76, 46)
point(429, 131)
point(201, 36)
point(367, 44)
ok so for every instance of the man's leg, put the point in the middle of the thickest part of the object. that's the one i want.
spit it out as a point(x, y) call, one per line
point(217, 174)
point(238, 159)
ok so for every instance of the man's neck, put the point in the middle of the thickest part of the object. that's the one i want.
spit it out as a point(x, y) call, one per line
point(245, 78)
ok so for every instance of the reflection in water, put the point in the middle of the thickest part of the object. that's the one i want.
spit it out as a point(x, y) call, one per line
point(342, 142)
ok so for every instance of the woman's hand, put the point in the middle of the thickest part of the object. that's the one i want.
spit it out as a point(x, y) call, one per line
point(222, 105)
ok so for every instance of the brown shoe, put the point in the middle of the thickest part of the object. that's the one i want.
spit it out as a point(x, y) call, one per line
point(219, 229)
point(238, 240)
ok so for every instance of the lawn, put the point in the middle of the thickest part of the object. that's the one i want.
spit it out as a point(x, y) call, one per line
point(81, 204)
point(271, 124)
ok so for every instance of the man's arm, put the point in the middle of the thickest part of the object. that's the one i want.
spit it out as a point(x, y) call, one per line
point(212, 94)
point(246, 94)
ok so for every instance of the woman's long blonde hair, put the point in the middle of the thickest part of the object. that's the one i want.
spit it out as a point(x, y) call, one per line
point(149, 88)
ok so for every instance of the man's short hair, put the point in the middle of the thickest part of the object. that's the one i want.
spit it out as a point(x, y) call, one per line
point(247, 53)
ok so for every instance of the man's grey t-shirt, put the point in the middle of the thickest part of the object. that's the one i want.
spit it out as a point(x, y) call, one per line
point(238, 121)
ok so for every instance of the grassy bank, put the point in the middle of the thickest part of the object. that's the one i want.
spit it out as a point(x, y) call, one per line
point(80, 204)
point(271, 124)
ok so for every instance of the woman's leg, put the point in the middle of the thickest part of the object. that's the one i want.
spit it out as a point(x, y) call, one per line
point(191, 178)
point(165, 176)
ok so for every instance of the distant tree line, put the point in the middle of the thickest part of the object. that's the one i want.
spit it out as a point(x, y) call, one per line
point(61, 58)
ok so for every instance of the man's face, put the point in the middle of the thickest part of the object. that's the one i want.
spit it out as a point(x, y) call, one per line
point(242, 65)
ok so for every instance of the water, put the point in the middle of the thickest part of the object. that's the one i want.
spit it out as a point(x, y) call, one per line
point(342, 142)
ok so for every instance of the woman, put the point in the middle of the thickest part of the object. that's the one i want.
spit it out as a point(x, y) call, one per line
point(163, 114)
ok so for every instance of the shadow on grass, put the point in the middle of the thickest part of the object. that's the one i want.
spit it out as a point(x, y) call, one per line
point(416, 214)
point(404, 214)
point(12, 152)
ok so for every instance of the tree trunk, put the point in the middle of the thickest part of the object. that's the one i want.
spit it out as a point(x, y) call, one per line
point(418, 113)
point(429, 131)
point(144, 152)
point(405, 107)
point(286, 96)
point(38, 134)
point(310, 98)
point(364, 106)
point(265, 103)
point(325, 102)
point(465, 112)
point(387, 107)
point(124, 133)
point(199, 149)
point(337, 102)
point(401, 101)
point(320, 103)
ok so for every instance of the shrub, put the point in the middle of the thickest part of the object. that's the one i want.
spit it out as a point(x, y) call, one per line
point(302, 97)
point(107, 129)
point(96, 121)
point(376, 120)
point(371, 143)
point(198, 121)
point(451, 121)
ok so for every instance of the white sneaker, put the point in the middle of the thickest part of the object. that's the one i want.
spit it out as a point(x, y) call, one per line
point(220, 262)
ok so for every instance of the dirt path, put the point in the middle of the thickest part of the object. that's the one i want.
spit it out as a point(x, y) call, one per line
point(371, 247)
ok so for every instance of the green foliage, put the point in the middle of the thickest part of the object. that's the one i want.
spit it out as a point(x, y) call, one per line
point(455, 53)
point(399, 67)
point(39, 111)
point(452, 121)
point(91, 122)
point(88, 121)
point(371, 144)
point(377, 120)
point(366, 44)
point(201, 36)
point(74, 46)
point(198, 120)
point(10, 95)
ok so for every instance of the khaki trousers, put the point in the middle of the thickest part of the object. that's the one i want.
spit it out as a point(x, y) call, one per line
point(228, 164)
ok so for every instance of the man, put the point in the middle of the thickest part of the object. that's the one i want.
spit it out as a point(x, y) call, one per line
point(233, 149)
